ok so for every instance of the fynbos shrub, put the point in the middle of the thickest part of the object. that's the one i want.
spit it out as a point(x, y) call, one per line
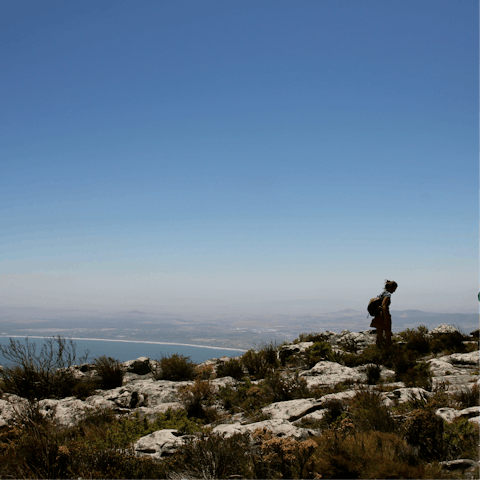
point(175, 368)
point(110, 372)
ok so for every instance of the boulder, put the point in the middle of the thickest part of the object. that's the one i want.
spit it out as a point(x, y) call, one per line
point(402, 395)
point(10, 407)
point(139, 366)
point(159, 444)
point(66, 412)
point(441, 329)
point(331, 373)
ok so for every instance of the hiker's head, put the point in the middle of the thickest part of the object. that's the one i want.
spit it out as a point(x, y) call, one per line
point(390, 286)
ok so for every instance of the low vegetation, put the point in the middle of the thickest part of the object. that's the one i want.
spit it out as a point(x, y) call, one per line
point(356, 436)
point(175, 368)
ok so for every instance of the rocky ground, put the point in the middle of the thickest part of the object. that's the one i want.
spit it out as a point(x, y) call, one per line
point(141, 393)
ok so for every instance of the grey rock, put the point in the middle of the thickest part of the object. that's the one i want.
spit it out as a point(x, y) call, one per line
point(10, 407)
point(279, 428)
point(402, 395)
point(159, 444)
point(291, 410)
point(441, 329)
point(66, 412)
point(460, 464)
point(139, 366)
point(331, 373)
point(341, 396)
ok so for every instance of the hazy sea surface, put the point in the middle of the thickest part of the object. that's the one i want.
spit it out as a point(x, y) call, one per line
point(126, 350)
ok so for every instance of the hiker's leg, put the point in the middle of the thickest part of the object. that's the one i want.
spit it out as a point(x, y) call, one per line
point(379, 335)
point(388, 332)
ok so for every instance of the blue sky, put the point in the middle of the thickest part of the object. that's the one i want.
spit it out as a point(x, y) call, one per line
point(238, 152)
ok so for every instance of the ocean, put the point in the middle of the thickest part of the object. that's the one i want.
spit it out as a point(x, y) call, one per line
point(124, 350)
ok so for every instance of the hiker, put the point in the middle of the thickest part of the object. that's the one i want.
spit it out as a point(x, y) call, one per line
point(383, 320)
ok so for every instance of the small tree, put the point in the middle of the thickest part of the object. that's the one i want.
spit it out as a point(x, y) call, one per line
point(46, 375)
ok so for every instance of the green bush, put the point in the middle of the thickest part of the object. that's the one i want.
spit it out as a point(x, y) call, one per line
point(43, 375)
point(368, 412)
point(281, 388)
point(231, 368)
point(318, 351)
point(448, 343)
point(197, 400)
point(468, 397)
point(460, 439)
point(213, 456)
point(175, 368)
point(368, 455)
point(424, 429)
point(416, 340)
point(259, 364)
point(311, 337)
point(411, 372)
point(336, 410)
point(372, 354)
point(36, 447)
point(373, 373)
point(110, 372)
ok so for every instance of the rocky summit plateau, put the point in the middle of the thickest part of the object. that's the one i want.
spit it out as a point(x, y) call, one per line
point(306, 409)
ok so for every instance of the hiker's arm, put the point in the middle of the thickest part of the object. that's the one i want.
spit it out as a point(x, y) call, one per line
point(386, 308)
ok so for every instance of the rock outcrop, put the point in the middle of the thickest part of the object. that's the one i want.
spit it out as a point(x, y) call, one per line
point(141, 393)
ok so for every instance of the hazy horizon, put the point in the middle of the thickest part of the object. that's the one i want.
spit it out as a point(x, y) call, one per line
point(230, 156)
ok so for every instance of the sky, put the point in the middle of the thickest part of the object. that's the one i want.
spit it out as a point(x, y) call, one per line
point(161, 153)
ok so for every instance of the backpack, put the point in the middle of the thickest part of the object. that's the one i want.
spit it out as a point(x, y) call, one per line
point(375, 305)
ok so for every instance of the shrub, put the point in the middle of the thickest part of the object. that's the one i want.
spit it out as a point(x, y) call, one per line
point(460, 439)
point(468, 397)
point(281, 388)
point(84, 389)
point(175, 368)
point(368, 412)
point(416, 340)
point(368, 455)
point(197, 399)
point(448, 343)
point(372, 354)
point(259, 364)
point(349, 345)
point(231, 368)
point(43, 375)
point(38, 448)
point(373, 373)
point(245, 397)
point(277, 457)
point(213, 456)
point(203, 372)
point(318, 351)
point(424, 429)
point(311, 337)
point(411, 372)
point(336, 409)
point(110, 372)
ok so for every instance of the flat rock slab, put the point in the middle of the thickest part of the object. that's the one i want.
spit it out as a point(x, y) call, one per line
point(402, 395)
point(67, 411)
point(279, 428)
point(450, 414)
point(292, 410)
point(331, 373)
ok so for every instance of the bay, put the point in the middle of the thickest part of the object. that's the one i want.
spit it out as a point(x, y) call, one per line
point(124, 350)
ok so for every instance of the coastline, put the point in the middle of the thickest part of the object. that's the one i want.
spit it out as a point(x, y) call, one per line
point(130, 341)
